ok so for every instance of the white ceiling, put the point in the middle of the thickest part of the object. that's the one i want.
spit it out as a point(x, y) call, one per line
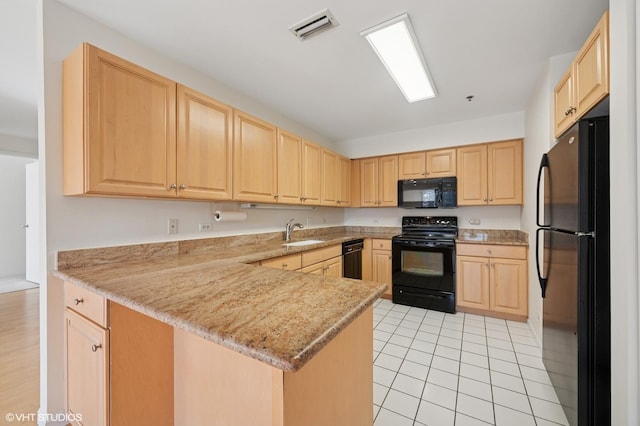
point(333, 82)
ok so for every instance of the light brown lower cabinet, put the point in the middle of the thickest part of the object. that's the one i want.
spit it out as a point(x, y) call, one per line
point(87, 368)
point(328, 268)
point(291, 262)
point(492, 280)
point(118, 363)
point(381, 263)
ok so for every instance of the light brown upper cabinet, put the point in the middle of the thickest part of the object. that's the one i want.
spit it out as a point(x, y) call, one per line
point(330, 178)
point(344, 182)
point(119, 127)
point(379, 181)
point(586, 82)
point(427, 164)
point(289, 168)
point(412, 165)
point(441, 163)
point(355, 183)
point(490, 173)
point(311, 173)
point(254, 159)
point(204, 159)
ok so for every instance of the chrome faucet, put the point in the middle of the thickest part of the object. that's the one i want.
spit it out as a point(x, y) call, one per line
point(288, 228)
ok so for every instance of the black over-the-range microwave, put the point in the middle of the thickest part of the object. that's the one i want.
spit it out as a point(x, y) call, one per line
point(428, 193)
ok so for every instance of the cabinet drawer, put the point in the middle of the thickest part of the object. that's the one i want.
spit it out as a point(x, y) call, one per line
point(505, 252)
point(319, 255)
point(86, 303)
point(379, 244)
point(291, 262)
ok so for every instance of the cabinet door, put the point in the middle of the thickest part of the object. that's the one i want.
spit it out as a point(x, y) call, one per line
point(441, 163)
point(119, 129)
point(289, 168)
point(472, 282)
point(411, 166)
point(381, 268)
point(311, 173)
point(316, 268)
point(472, 175)
point(355, 183)
point(388, 181)
point(369, 182)
point(205, 151)
point(87, 368)
point(344, 185)
point(367, 272)
point(254, 159)
point(563, 114)
point(333, 267)
point(329, 179)
point(505, 172)
point(509, 286)
point(591, 68)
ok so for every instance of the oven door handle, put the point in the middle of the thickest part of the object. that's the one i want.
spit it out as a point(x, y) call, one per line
point(430, 296)
point(426, 244)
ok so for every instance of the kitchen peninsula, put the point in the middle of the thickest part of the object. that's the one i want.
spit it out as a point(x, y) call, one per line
point(177, 335)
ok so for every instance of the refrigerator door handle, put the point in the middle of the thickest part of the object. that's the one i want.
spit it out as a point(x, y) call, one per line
point(543, 280)
point(544, 163)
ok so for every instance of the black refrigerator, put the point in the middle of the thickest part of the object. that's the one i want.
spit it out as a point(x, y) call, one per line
point(574, 270)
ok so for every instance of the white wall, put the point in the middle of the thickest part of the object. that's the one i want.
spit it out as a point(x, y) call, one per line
point(500, 127)
point(491, 217)
point(18, 146)
point(12, 216)
point(539, 137)
point(625, 218)
point(92, 222)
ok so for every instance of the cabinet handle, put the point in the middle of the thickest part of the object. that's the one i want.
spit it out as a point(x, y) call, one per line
point(389, 257)
point(493, 265)
point(183, 187)
point(490, 199)
point(172, 186)
point(489, 251)
point(484, 199)
point(77, 301)
point(95, 348)
point(276, 196)
point(284, 266)
point(486, 265)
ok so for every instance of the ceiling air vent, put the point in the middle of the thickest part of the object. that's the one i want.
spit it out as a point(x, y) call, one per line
point(314, 24)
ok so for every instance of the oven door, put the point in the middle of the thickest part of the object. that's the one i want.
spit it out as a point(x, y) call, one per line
point(426, 265)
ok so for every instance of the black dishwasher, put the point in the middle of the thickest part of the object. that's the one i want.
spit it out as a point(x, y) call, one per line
point(352, 259)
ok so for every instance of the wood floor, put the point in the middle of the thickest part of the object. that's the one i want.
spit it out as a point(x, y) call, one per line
point(19, 352)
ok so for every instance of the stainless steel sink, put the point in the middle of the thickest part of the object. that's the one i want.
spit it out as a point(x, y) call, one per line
point(303, 243)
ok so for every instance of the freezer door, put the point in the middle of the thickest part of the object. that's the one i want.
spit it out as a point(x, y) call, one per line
point(560, 317)
point(561, 182)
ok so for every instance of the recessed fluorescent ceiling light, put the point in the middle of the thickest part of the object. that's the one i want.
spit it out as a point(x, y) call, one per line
point(396, 45)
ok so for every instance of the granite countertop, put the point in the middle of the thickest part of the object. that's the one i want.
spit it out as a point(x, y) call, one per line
point(282, 318)
point(493, 236)
point(206, 287)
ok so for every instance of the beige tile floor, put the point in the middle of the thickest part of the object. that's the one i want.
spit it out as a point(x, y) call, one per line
point(432, 368)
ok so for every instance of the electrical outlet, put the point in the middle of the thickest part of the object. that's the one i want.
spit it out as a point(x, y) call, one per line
point(474, 221)
point(376, 220)
point(172, 226)
point(204, 227)
point(324, 220)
